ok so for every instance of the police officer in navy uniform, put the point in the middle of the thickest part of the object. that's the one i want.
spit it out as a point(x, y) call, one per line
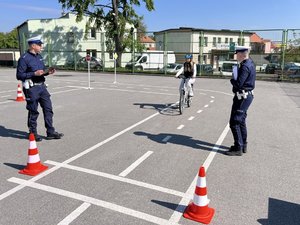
point(243, 83)
point(31, 71)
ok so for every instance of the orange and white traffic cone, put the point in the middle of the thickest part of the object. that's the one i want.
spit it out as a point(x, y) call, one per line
point(198, 210)
point(34, 165)
point(20, 97)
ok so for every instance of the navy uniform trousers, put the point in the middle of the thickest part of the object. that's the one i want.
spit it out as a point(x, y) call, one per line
point(38, 94)
point(238, 119)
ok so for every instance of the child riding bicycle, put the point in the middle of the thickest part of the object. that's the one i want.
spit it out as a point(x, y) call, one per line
point(189, 71)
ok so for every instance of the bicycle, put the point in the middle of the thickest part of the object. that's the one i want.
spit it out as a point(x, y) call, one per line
point(184, 98)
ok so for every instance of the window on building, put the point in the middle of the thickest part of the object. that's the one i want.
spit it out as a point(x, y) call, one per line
point(92, 52)
point(205, 41)
point(231, 40)
point(219, 40)
point(226, 40)
point(214, 41)
point(204, 44)
point(241, 41)
point(205, 59)
point(93, 33)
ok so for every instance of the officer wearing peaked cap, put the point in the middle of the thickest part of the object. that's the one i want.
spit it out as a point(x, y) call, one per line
point(31, 71)
point(35, 40)
point(243, 83)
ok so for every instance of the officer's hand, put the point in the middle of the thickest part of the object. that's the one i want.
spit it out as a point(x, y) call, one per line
point(39, 72)
point(51, 70)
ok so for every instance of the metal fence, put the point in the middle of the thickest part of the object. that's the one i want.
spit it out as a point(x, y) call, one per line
point(274, 51)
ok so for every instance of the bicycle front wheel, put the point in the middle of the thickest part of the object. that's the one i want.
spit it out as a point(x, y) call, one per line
point(189, 101)
point(181, 102)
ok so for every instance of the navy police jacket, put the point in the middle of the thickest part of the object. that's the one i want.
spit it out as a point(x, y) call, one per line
point(245, 78)
point(28, 64)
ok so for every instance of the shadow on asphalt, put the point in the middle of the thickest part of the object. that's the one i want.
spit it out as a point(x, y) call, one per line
point(164, 109)
point(15, 166)
point(282, 213)
point(169, 205)
point(182, 140)
point(5, 132)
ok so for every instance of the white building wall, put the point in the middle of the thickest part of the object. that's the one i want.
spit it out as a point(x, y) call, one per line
point(56, 35)
point(182, 42)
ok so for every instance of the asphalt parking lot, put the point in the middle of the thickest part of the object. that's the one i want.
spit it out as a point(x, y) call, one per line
point(128, 157)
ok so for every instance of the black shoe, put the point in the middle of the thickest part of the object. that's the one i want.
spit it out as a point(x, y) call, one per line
point(234, 151)
point(36, 137)
point(54, 135)
point(245, 148)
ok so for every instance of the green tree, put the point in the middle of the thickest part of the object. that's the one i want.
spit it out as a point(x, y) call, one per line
point(114, 16)
point(9, 40)
point(293, 54)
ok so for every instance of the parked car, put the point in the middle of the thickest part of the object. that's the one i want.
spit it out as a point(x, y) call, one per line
point(95, 63)
point(288, 69)
point(271, 68)
point(205, 69)
point(263, 67)
point(227, 68)
point(295, 73)
point(172, 68)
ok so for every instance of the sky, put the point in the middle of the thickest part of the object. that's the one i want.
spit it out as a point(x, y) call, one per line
point(208, 14)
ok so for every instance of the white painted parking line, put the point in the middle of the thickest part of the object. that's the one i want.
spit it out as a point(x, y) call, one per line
point(109, 139)
point(59, 87)
point(212, 96)
point(77, 212)
point(180, 127)
point(53, 93)
point(132, 91)
point(6, 102)
point(146, 88)
point(79, 87)
point(211, 101)
point(93, 201)
point(167, 138)
point(135, 164)
point(5, 96)
point(219, 92)
point(59, 92)
point(205, 106)
point(1, 92)
point(191, 118)
point(199, 111)
point(184, 202)
point(120, 179)
point(215, 149)
point(65, 80)
point(49, 171)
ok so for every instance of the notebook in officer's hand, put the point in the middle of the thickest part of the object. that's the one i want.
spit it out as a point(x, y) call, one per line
point(234, 72)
